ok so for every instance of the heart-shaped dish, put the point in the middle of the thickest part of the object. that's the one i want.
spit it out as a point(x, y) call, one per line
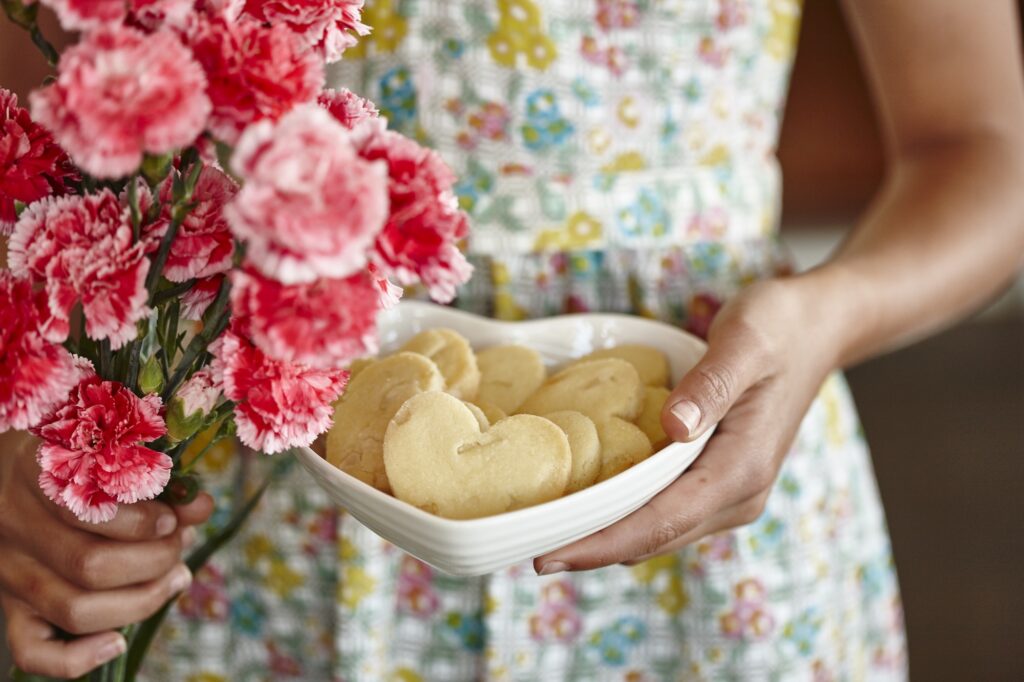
point(484, 545)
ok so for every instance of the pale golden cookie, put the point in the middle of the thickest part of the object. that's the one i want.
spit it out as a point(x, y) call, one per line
point(493, 413)
point(649, 420)
point(600, 389)
point(355, 442)
point(509, 375)
point(622, 445)
point(358, 365)
point(650, 363)
point(450, 351)
point(585, 446)
point(481, 417)
point(437, 459)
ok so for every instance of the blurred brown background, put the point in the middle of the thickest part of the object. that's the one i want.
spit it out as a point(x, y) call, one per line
point(945, 418)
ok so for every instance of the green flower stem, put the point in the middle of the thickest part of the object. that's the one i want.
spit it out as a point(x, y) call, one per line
point(214, 322)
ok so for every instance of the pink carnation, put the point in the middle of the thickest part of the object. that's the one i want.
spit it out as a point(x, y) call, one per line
point(347, 108)
point(310, 207)
point(199, 395)
point(419, 240)
point(120, 93)
point(35, 374)
point(327, 323)
point(81, 248)
point(92, 455)
point(278, 405)
point(79, 15)
point(326, 26)
point(196, 300)
point(388, 292)
point(255, 72)
point(32, 165)
point(204, 245)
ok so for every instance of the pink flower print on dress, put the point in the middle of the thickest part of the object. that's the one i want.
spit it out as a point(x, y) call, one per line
point(416, 594)
point(206, 598)
point(616, 14)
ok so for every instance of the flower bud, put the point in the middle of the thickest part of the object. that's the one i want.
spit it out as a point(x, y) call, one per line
point(151, 378)
point(191, 406)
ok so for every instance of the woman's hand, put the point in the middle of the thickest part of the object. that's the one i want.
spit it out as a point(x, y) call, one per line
point(88, 580)
point(767, 356)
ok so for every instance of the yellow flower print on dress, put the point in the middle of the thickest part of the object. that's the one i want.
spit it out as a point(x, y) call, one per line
point(581, 229)
point(647, 571)
point(206, 677)
point(628, 112)
point(404, 674)
point(216, 458)
point(673, 599)
point(520, 32)
point(256, 548)
point(389, 29)
point(356, 585)
point(282, 579)
point(780, 41)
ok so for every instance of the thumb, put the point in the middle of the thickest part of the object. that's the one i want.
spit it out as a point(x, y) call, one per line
point(708, 391)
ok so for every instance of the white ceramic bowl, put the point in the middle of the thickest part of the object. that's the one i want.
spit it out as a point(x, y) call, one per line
point(480, 546)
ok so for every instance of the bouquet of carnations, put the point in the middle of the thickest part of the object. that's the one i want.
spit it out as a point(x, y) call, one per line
point(200, 238)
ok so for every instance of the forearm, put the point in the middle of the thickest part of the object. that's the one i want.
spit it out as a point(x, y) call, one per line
point(944, 235)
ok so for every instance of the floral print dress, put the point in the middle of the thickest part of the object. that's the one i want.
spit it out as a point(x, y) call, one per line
point(613, 155)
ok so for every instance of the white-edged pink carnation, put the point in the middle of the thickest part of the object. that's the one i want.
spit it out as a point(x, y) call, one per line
point(347, 108)
point(389, 293)
point(81, 248)
point(200, 394)
point(328, 27)
point(204, 245)
point(196, 300)
point(255, 72)
point(121, 93)
point(310, 206)
point(84, 15)
point(419, 241)
point(278, 405)
point(92, 455)
point(326, 323)
point(35, 374)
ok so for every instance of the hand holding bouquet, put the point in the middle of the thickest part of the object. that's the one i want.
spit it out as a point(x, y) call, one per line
point(200, 238)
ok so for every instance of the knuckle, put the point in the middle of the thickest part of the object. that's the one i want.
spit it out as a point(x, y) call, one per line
point(718, 382)
point(70, 615)
point(86, 570)
point(662, 532)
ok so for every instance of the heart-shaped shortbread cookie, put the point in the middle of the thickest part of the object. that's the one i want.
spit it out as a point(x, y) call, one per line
point(585, 446)
point(622, 445)
point(649, 420)
point(437, 459)
point(509, 375)
point(451, 352)
point(355, 442)
point(600, 389)
point(493, 413)
point(650, 363)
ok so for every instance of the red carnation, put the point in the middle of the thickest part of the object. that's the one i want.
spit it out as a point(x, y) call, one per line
point(35, 374)
point(347, 108)
point(92, 455)
point(254, 71)
point(326, 26)
point(327, 323)
point(81, 248)
point(121, 93)
point(418, 241)
point(278, 405)
point(32, 165)
point(204, 245)
point(196, 300)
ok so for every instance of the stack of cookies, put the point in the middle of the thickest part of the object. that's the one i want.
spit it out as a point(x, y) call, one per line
point(465, 435)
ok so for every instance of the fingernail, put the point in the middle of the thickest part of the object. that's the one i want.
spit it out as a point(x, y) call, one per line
point(188, 537)
point(181, 580)
point(553, 567)
point(111, 650)
point(688, 415)
point(166, 524)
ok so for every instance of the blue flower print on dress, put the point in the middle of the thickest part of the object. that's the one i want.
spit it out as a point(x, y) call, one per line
point(585, 92)
point(613, 643)
point(545, 127)
point(248, 614)
point(766, 533)
point(397, 100)
point(803, 631)
point(645, 217)
point(469, 628)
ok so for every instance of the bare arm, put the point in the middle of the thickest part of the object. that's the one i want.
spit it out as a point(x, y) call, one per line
point(944, 234)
